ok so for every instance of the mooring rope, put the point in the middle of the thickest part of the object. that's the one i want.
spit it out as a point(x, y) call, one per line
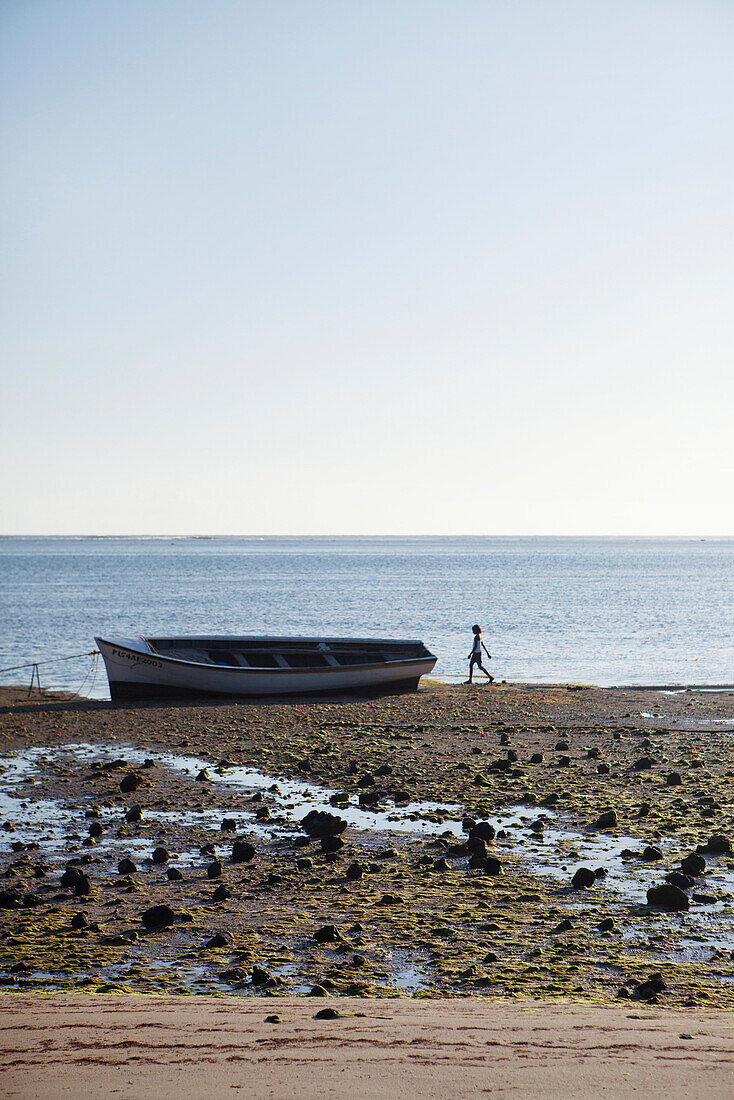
point(50, 661)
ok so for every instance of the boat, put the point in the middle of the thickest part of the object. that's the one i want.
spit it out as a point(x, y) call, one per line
point(148, 668)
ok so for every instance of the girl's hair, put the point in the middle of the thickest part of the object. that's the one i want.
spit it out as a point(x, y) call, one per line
point(477, 628)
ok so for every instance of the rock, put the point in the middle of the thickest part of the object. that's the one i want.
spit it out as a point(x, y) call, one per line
point(644, 810)
point(564, 926)
point(444, 865)
point(219, 939)
point(304, 864)
point(317, 991)
point(242, 851)
point(95, 829)
point(482, 831)
point(564, 761)
point(677, 878)
point(262, 977)
point(603, 769)
point(390, 899)
point(328, 934)
point(718, 845)
point(366, 781)
point(583, 878)
point(536, 758)
point(208, 849)
point(319, 823)
point(328, 1014)
point(667, 897)
point(383, 770)
point(673, 779)
point(605, 925)
point(82, 886)
point(606, 820)
point(173, 874)
point(79, 921)
point(650, 854)
point(158, 916)
point(649, 988)
point(693, 864)
point(354, 872)
point(474, 844)
point(273, 1019)
point(705, 899)
point(70, 876)
point(491, 957)
point(331, 843)
point(234, 975)
point(161, 855)
point(134, 814)
point(130, 782)
point(593, 754)
point(203, 776)
point(221, 894)
point(493, 866)
point(644, 763)
point(126, 867)
point(229, 825)
point(214, 869)
point(562, 746)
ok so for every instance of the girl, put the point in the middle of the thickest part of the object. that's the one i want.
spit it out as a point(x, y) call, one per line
point(475, 657)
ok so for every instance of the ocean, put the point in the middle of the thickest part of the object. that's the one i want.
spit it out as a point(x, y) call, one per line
point(603, 611)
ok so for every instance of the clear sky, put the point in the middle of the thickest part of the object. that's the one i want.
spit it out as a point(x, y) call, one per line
point(384, 267)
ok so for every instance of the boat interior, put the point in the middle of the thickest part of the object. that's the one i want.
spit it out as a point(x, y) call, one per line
point(287, 653)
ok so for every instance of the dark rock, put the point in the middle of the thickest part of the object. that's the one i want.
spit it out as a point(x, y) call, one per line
point(564, 761)
point(367, 799)
point(583, 878)
point(331, 843)
point(366, 781)
point(562, 746)
point(693, 864)
point(718, 845)
point(650, 988)
point(677, 878)
point(444, 865)
point(673, 779)
point(95, 829)
point(219, 939)
point(214, 870)
point(161, 855)
point(536, 758)
point(564, 926)
point(603, 769)
point(667, 897)
point(229, 825)
point(242, 851)
point(134, 814)
point(304, 864)
point(644, 810)
point(650, 854)
point(130, 782)
point(354, 872)
point(328, 1014)
point(504, 739)
point(273, 1019)
point(493, 866)
point(70, 876)
point(82, 886)
point(606, 820)
point(328, 934)
point(482, 831)
point(203, 776)
point(383, 770)
point(705, 899)
point(208, 849)
point(79, 921)
point(593, 754)
point(126, 867)
point(234, 975)
point(600, 872)
point(158, 916)
point(319, 823)
point(173, 874)
point(644, 763)
point(221, 894)
point(605, 925)
point(317, 991)
point(262, 977)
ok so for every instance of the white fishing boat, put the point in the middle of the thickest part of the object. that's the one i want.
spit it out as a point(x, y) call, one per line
point(144, 668)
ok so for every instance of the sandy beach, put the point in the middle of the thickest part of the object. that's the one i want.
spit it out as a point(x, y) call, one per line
point(150, 1047)
point(454, 969)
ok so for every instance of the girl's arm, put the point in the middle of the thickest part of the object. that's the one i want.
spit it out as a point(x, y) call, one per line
point(486, 651)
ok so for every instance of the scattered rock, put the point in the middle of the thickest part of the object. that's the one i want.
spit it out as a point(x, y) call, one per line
point(693, 864)
point(214, 869)
point(158, 916)
point(327, 1014)
point(717, 845)
point(606, 820)
point(126, 867)
point(583, 878)
point(161, 855)
point(328, 934)
point(354, 872)
point(173, 874)
point(130, 782)
point(134, 814)
point(242, 851)
point(650, 854)
point(667, 896)
point(219, 939)
point(673, 779)
point(320, 823)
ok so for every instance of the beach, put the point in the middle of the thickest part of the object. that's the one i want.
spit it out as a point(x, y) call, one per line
point(392, 912)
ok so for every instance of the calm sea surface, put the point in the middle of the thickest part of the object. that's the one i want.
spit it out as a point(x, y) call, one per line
point(605, 611)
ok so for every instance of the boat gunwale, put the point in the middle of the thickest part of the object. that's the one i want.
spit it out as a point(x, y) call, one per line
point(260, 671)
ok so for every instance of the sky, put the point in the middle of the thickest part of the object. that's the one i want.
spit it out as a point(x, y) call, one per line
point(397, 267)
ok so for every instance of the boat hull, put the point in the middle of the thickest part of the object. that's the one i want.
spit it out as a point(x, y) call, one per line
point(134, 673)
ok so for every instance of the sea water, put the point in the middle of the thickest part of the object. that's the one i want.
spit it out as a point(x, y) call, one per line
point(604, 611)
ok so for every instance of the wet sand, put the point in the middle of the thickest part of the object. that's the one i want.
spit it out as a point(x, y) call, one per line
point(55, 1046)
point(415, 919)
